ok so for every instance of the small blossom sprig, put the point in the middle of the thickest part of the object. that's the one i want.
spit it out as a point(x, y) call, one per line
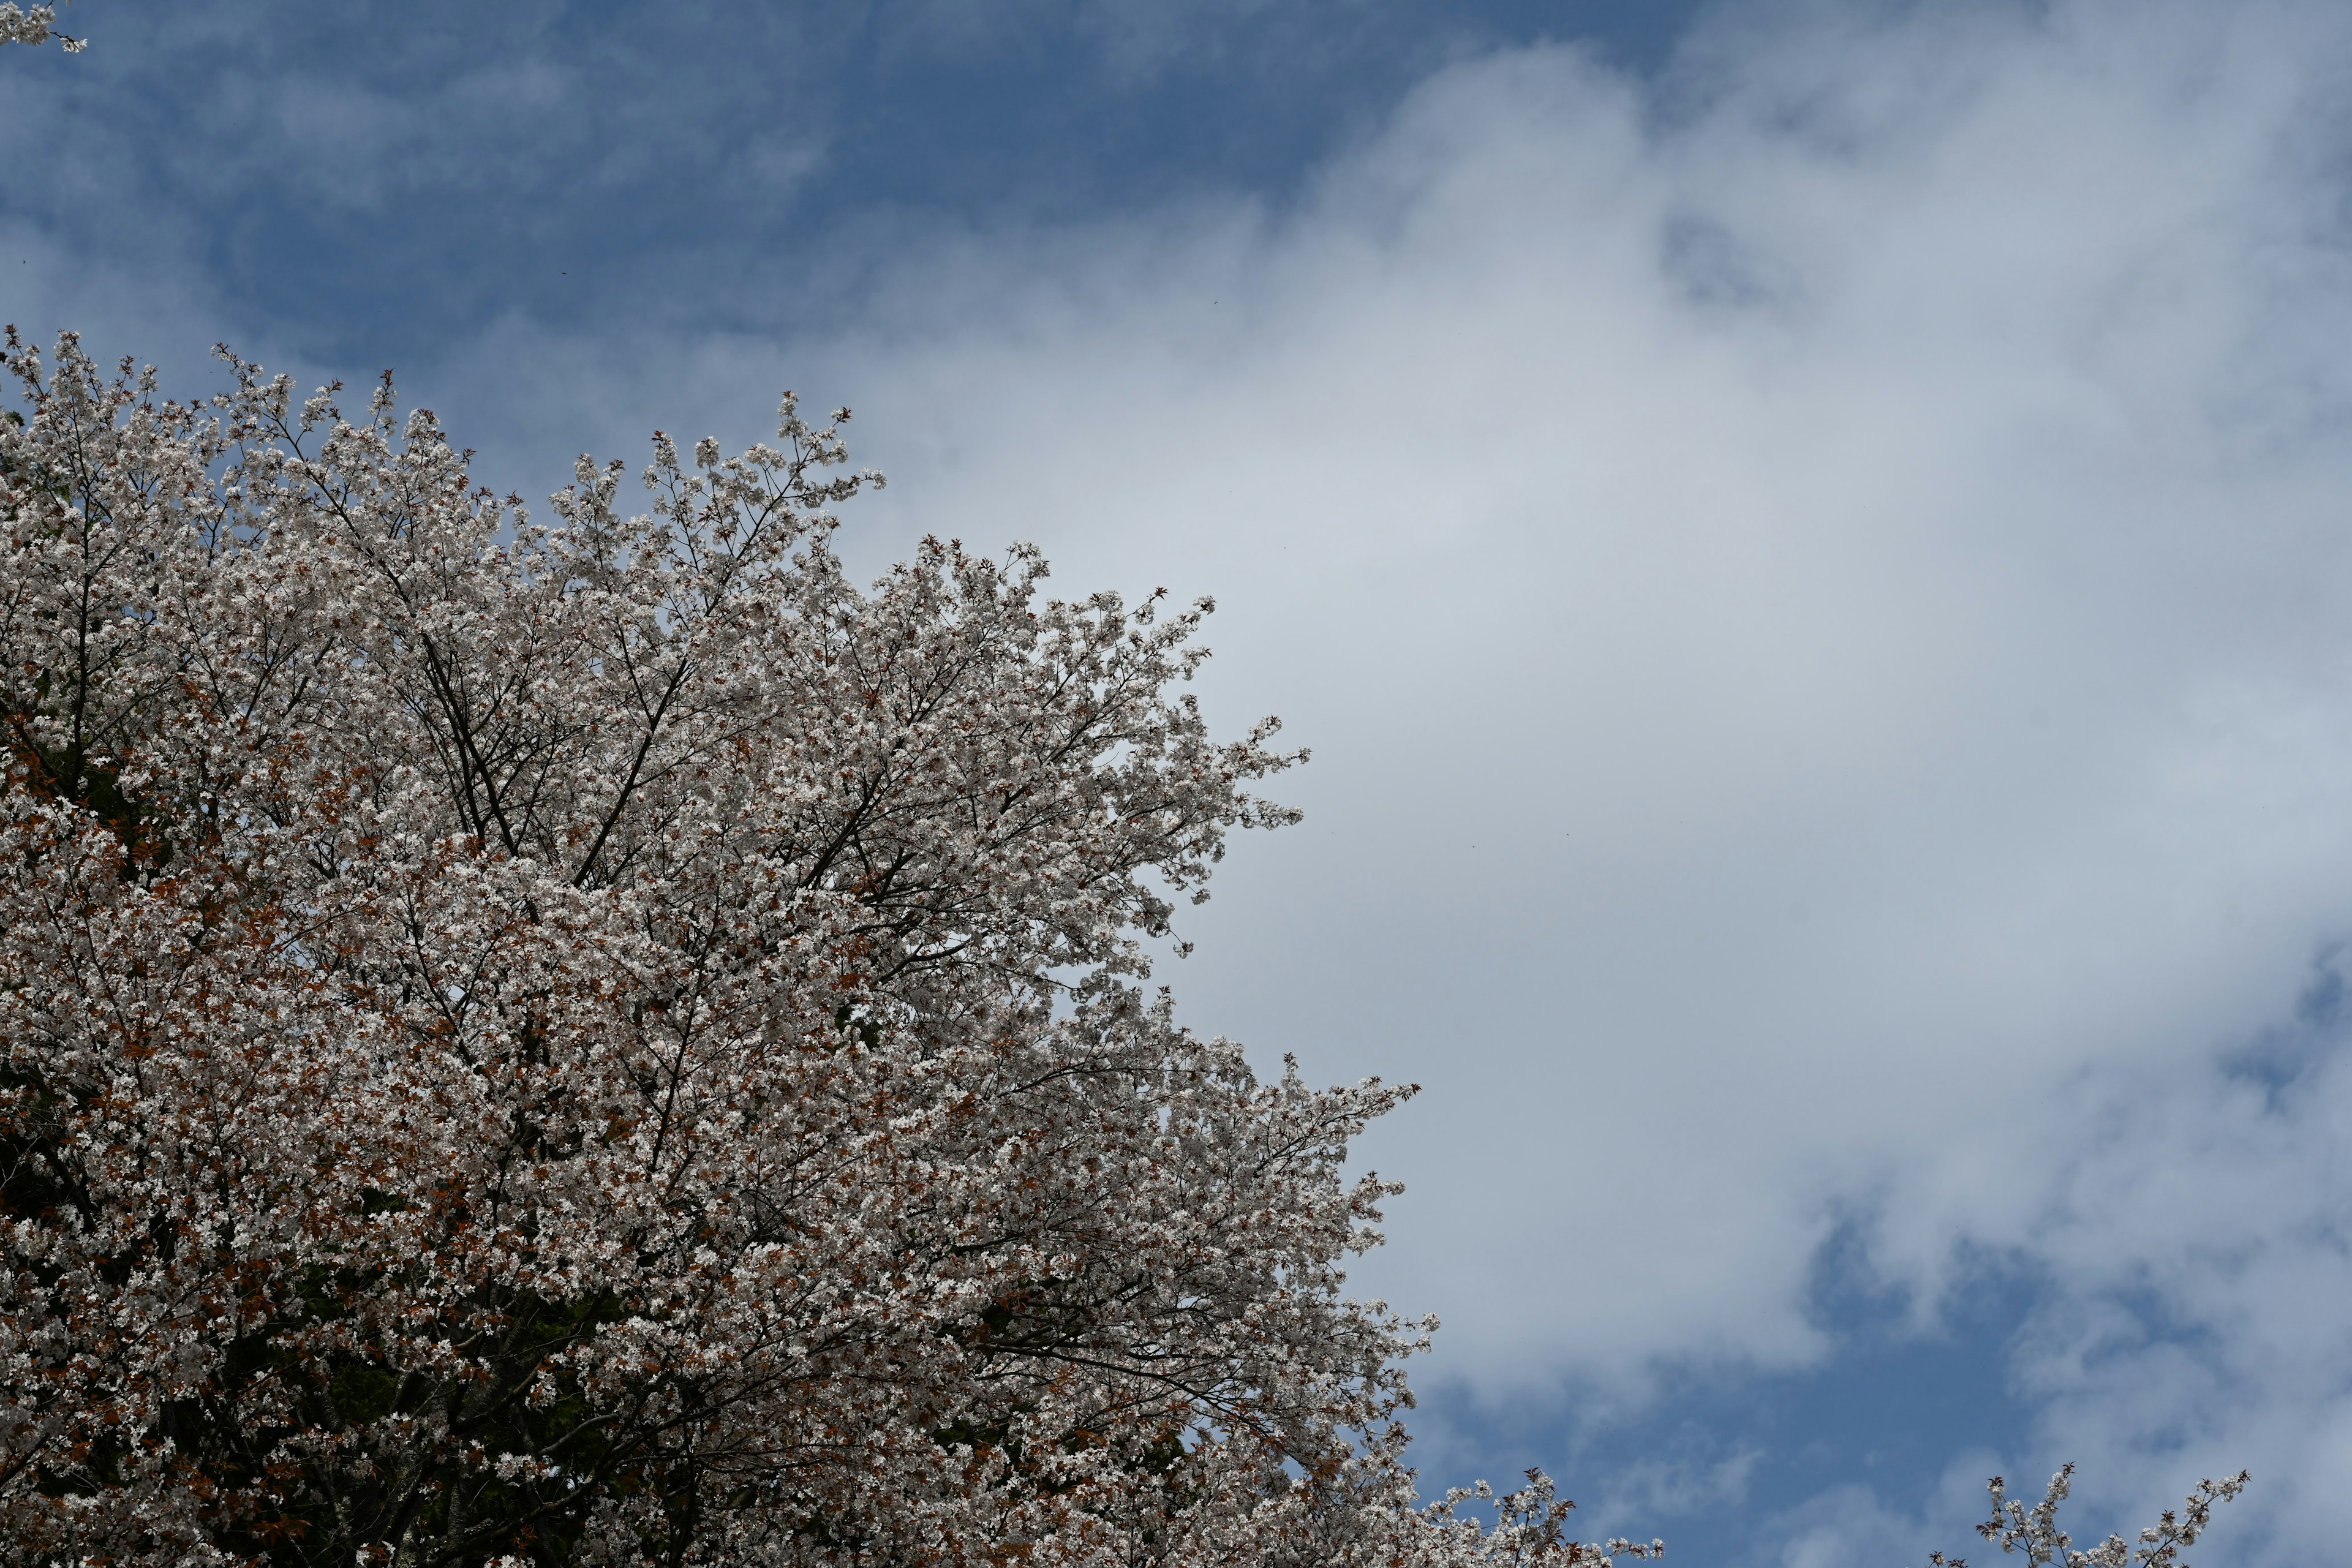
point(1530, 1529)
point(37, 26)
point(2034, 1531)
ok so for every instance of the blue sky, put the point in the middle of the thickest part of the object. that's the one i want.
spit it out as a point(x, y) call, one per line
point(379, 180)
point(1808, 540)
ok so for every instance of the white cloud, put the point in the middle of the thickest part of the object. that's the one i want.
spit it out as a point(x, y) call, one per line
point(1652, 1490)
point(1822, 619)
point(1821, 599)
point(1846, 1527)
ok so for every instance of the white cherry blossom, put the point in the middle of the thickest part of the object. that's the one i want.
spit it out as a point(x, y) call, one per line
point(601, 1041)
point(2033, 1533)
point(37, 26)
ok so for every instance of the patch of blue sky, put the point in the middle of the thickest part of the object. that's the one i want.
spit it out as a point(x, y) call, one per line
point(1720, 1462)
point(374, 182)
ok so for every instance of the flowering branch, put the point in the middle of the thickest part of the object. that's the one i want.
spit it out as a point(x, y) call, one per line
point(35, 27)
point(2034, 1531)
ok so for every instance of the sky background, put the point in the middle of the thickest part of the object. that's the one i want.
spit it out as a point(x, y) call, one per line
point(1809, 542)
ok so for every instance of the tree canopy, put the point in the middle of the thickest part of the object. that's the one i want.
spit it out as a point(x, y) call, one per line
point(601, 1041)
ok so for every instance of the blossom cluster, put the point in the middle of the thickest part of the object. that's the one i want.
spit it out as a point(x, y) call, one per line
point(2033, 1533)
point(600, 1040)
point(37, 26)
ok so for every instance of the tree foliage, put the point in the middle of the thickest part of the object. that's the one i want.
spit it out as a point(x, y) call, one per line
point(601, 1041)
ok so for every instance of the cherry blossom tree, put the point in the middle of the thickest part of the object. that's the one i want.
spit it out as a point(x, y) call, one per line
point(601, 1040)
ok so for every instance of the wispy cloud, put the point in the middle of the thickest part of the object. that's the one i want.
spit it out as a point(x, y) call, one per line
point(1819, 592)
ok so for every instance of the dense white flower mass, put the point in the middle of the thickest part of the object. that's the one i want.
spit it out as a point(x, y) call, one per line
point(603, 1042)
